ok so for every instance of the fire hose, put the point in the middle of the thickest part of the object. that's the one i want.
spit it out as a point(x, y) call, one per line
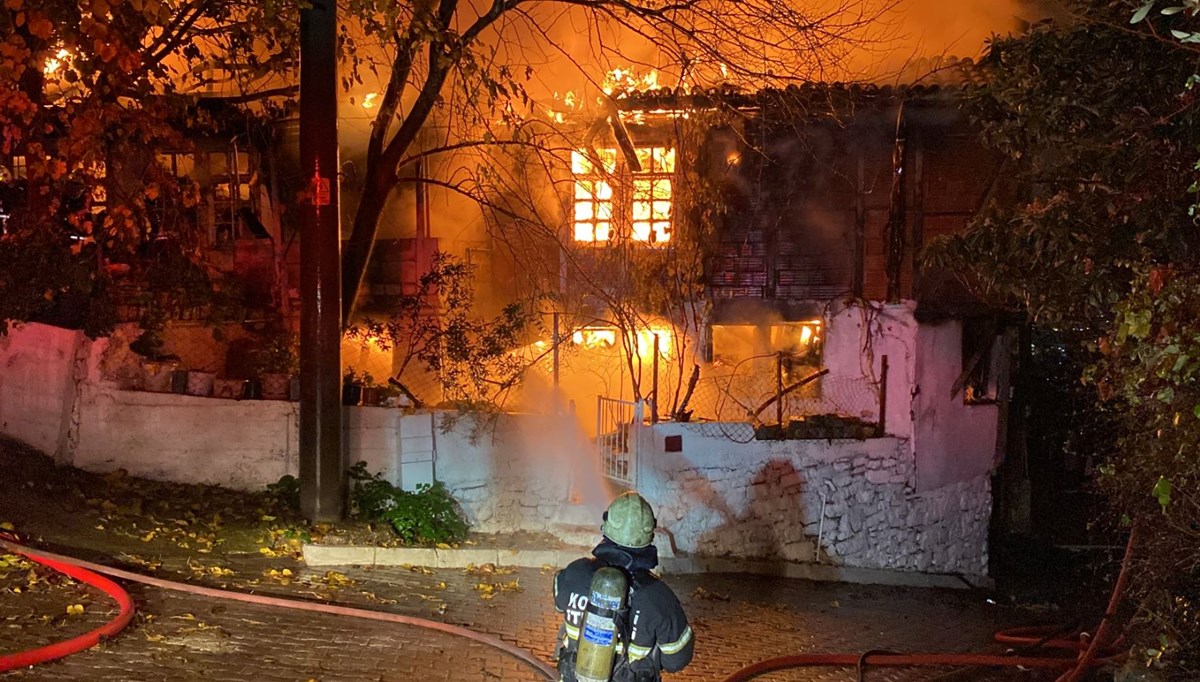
point(88, 572)
point(1092, 651)
point(23, 659)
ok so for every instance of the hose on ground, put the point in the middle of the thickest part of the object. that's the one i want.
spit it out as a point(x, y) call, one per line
point(263, 600)
point(50, 652)
point(1093, 651)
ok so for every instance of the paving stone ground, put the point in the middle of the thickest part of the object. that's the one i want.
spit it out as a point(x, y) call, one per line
point(738, 619)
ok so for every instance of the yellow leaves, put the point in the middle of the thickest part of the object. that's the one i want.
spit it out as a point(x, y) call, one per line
point(266, 517)
point(489, 590)
point(283, 577)
point(75, 610)
point(442, 545)
point(488, 569)
point(7, 525)
point(419, 569)
point(13, 561)
point(335, 579)
point(148, 536)
point(267, 551)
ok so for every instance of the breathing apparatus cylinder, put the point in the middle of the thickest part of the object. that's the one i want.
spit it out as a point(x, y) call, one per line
point(598, 636)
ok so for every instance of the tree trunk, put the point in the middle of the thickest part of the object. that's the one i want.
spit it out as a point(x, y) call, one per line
point(358, 248)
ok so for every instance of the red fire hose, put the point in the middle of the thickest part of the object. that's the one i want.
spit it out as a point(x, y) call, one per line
point(77, 568)
point(24, 659)
point(1092, 651)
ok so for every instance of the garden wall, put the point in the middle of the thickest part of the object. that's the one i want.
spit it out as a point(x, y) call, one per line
point(768, 498)
point(714, 496)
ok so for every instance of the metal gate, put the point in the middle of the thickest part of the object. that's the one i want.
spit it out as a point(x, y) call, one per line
point(618, 433)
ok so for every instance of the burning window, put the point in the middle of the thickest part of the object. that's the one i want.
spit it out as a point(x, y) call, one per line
point(612, 201)
point(593, 194)
point(652, 195)
point(798, 342)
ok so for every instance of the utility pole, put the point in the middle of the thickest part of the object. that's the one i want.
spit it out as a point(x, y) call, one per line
point(322, 471)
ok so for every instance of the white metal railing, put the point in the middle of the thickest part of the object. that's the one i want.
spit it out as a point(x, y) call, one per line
point(618, 431)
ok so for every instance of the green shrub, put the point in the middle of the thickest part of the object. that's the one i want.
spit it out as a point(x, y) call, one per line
point(428, 516)
point(286, 492)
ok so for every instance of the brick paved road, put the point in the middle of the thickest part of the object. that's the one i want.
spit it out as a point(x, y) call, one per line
point(738, 620)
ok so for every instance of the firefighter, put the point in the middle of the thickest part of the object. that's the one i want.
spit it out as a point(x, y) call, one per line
point(651, 630)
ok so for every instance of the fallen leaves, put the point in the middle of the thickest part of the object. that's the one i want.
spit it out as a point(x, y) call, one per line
point(490, 590)
point(75, 609)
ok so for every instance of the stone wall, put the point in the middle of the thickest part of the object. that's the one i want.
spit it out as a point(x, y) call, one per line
point(855, 500)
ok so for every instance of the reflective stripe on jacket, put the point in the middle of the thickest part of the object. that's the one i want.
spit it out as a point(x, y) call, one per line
point(659, 635)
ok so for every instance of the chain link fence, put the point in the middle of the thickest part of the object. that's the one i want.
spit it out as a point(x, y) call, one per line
point(770, 397)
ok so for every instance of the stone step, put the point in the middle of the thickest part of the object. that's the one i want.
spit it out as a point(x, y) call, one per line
point(589, 536)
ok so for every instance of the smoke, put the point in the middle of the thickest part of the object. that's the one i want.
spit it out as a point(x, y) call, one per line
point(928, 30)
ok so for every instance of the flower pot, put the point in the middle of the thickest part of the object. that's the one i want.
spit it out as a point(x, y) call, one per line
point(200, 383)
point(252, 390)
point(156, 376)
point(229, 388)
point(276, 386)
point(370, 396)
point(351, 394)
point(179, 381)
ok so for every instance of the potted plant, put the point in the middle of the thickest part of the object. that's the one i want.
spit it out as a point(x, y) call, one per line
point(370, 391)
point(158, 366)
point(276, 361)
point(200, 382)
point(352, 387)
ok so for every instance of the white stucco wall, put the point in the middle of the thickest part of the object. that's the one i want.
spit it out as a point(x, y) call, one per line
point(953, 441)
point(37, 383)
point(857, 339)
point(918, 500)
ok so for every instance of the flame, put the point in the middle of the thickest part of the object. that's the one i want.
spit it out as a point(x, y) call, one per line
point(621, 80)
point(53, 64)
point(595, 337)
point(642, 340)
point(650, 202)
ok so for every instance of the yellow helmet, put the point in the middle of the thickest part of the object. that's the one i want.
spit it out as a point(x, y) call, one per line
point(629, 521)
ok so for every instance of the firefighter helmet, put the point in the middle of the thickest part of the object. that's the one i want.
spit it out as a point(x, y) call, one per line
point(629, 521)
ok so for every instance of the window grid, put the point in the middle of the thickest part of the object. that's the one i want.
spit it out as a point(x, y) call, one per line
point(644, 208)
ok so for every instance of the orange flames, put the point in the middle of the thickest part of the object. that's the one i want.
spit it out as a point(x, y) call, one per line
point(643, 207)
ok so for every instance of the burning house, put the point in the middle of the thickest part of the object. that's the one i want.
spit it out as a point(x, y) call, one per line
point(748, 332)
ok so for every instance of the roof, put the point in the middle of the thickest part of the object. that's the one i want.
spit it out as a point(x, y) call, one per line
point(933, 81)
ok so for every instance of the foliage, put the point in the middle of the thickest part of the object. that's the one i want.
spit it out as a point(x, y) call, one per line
point(278, 354)
point(44, 278)
point(90, 92)
point(470, 74)
point(428, 516)
point(286, 492)
point(1099, 126)
point(438, 326)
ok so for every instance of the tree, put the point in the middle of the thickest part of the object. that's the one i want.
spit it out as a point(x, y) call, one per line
point(90, 91)
point(1099, 124)
point(469, 68)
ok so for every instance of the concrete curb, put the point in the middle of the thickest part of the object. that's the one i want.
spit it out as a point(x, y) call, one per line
point(341, 555)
